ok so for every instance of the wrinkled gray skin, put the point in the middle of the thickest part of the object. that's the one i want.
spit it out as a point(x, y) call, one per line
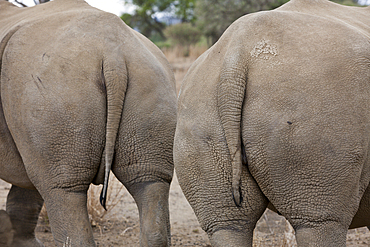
point(6, 231)
point(67, 70)
point(289, 90)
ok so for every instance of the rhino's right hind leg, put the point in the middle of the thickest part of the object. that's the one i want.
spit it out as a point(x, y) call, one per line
point(23, 207)
point(152, 201)
point(325, 234)
point(6, 230)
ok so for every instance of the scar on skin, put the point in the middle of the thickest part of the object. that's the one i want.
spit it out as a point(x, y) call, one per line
point(264, 50)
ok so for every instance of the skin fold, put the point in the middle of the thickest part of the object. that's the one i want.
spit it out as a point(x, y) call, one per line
point(277, 111)
point(81, 94)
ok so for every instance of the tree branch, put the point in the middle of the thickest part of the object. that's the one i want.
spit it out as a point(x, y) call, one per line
point(22, 4)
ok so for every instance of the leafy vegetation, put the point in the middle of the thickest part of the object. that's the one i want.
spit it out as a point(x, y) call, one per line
point(347, 2)
point(24, 5)
point(183, 34)
point(214, 16)
point(147, 22)
point(209, 17)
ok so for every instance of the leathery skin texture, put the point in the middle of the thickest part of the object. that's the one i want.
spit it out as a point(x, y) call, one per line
point(277, 111)
point(81, 94)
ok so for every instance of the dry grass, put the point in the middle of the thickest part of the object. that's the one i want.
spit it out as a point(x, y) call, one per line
point(274, 231)
point(95, 210)
point(176, 54)
point(180, 63)
point(67, 243)
point(271, 230)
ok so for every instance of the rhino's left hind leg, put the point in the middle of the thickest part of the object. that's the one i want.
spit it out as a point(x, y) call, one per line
point(152, 201)
point(6, 229)
point(23, 207)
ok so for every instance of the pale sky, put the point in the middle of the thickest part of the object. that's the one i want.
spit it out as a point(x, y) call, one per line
point(118, 7)
point(113, 6)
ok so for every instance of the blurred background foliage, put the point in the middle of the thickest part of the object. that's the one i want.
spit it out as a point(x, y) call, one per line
point(170, 23)
point(214, 16)
point(20, 2)
point(184, 22)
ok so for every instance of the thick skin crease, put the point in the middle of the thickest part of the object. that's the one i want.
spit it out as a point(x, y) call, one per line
point(82, 94)
point(289, 90)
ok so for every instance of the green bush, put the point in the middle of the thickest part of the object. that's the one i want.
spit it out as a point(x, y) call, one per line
point(347, 2)
point(183, 34)
point(163, 44)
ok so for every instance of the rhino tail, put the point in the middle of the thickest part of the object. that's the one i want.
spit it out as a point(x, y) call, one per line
point(230, 98)
point(115, 79)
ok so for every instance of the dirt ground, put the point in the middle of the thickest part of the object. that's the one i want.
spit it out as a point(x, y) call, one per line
point(120, 225)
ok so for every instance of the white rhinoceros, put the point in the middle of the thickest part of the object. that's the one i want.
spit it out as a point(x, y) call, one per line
point(289, 90)
point(82, 93)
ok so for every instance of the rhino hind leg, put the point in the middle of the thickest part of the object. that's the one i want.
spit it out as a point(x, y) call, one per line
point(23, 207)
point(152, 201)
point(6, 229)
point(232, 237)
point(331, 234)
